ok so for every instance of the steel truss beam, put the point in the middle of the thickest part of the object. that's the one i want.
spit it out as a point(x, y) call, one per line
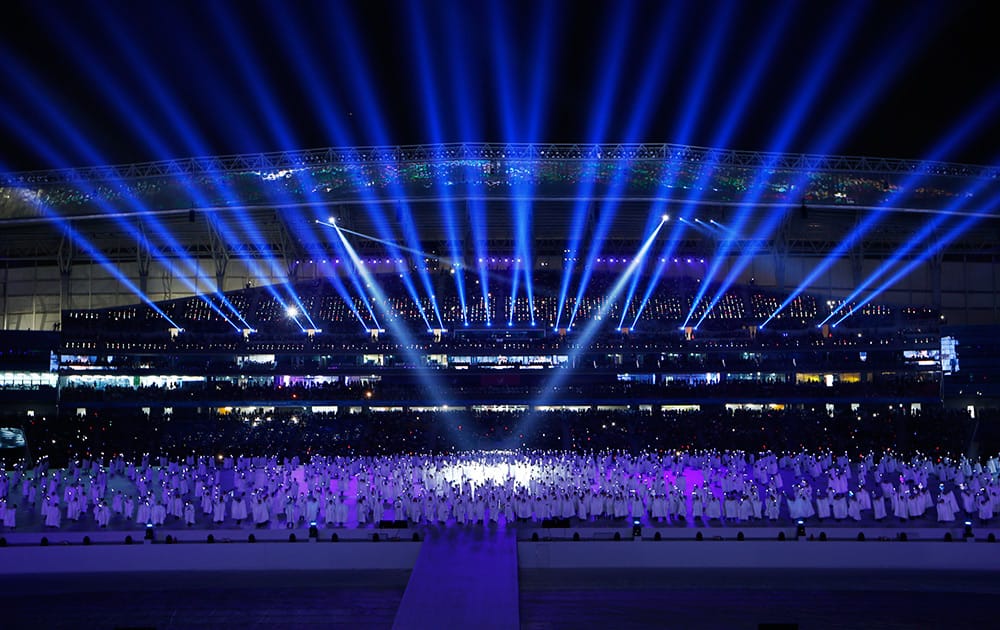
point(436, 153)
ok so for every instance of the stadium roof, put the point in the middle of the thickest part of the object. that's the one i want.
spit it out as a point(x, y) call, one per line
point(430, 173)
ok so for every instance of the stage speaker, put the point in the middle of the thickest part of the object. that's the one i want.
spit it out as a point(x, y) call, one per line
point(397, 524)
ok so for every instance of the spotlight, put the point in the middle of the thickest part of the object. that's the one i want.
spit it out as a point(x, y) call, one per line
point(800, 528)
point(636, 528)
point(333, 220)
point(150, 534)
point(967, 532)
point(665, 218)
point(291, 311)
point(313, 531)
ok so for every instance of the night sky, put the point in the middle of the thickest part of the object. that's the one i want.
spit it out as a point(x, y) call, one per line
point(111, 82)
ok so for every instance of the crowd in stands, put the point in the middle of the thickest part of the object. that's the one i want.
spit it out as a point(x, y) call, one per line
point(670, 304)
point(499, 387)
point(289, 432)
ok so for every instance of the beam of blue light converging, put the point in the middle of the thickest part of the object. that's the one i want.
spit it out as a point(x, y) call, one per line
point(919, 237)
point(430, 384)
point(709, 229)
point(860, 97)
point(82, 146)
point(369, 237)
point(409, 229)
point(891, 59)
point(429, 90)
point(86, 150)
point(244, 58)
point(165, 101)
point(654, 75)
point(722, 227)
point(303, 63)
point(167, 104)
point(477, 219)
point(538, 108)
point(650, 79)
point(583, 340)
point(634, 282)
point(357, 71)
point(81, 241)
point(358, 281)
point(933, 247)
point(685, 126)
point(955, 137)
point(807, 93)
point(502, 74)
point(668, 248)
point(523, 126)
point(244, 62)
point(466, 105)
point(610, 75)
point(355, 279)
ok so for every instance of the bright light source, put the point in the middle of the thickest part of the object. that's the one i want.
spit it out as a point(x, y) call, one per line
point(333, 219)
point(291, 311)
point(665, 217)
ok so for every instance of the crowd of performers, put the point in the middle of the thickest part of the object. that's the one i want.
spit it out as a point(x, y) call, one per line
point(493, 487)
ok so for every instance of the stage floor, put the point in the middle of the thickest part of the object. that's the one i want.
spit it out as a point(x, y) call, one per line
point(548, 599)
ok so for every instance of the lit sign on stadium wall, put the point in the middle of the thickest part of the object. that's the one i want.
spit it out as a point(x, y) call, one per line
point(949, 355)
point(926, 358)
